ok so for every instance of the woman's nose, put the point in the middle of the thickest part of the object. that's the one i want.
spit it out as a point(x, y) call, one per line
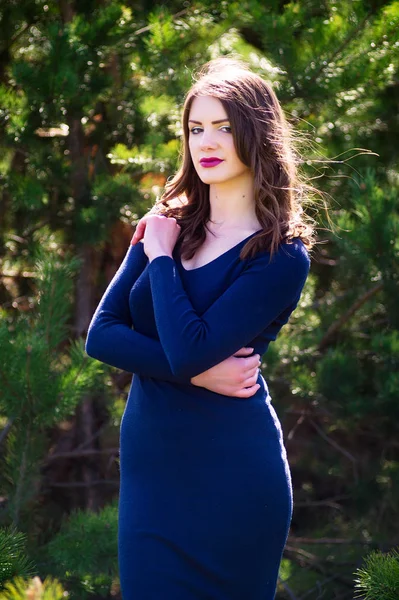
point(207, 141)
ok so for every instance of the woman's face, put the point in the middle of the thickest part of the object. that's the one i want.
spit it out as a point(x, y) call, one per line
point(211, 142)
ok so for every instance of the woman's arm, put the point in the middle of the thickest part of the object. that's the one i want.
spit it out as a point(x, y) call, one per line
point(260, 294)
point(111, 339)
point(236, 376)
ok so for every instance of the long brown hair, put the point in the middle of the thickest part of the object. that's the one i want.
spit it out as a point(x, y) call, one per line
point(263, 141)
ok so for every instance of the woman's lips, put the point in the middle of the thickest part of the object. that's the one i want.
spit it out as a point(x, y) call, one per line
point(210, 162)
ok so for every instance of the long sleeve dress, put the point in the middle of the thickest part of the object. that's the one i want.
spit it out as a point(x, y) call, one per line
point(205, 493)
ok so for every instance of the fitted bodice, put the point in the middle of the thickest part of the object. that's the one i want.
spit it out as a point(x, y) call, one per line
point(204, 285)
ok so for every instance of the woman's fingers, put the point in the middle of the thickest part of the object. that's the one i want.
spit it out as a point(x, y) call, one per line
point(250, 381)
point(161, 235)
point(141, 226)
point(249, 386)
point(140, 230)
point(247, 392)
point(244, 352)
point(250, 363)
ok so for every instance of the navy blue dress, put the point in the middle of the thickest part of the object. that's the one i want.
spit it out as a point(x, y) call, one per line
point(205, 495)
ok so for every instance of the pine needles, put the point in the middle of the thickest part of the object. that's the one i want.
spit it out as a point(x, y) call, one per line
point(379, 578)
point(13, 561)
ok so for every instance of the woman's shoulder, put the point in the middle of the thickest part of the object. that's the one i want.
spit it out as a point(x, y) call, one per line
point(296, 250)
point(290, 252)
point(291, 257)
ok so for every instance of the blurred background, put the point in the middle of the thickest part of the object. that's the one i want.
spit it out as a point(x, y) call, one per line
point(90, 101)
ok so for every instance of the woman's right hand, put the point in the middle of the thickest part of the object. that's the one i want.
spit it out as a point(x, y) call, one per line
point(235, 376)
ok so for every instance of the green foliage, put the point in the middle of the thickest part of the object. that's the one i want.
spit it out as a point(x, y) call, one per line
point(21, 589)
point(54, 295)
point(359, 376)
point(13, 559)
point(84, 552)
point(31, 373)
point(108, 195)
point(13, 109)
point(90, 101)
point(378, 579)
point(27, 192)
point(343, 379)
point(42, 383)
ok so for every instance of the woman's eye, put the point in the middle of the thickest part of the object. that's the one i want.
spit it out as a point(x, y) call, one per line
point(224, 128)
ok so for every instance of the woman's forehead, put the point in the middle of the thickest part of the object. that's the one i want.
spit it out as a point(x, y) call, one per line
point(207, 108)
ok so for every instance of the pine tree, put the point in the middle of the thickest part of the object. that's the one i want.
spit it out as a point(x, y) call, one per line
point(83, 553)
point(13, 559)
point(90, 97)
point(21, 589)
point(42, 378)
point(379, 578)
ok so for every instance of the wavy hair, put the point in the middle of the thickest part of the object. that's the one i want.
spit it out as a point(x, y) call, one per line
point(264, 142)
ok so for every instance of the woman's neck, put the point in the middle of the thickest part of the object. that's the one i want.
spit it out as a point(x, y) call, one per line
point(232, 208)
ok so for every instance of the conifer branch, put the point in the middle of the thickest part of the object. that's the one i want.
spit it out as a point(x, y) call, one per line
point(319, 587)
point(288, 590)
point(6, 383)
point(335, 445)
point(328, 541)
point(81, 453)
point(93, 437)
point(308, 560)
point(21, 479)
point(149, 27)
point(18, 274)
point(74, 382)
point(28, 360)
point(340, 48)
point(84, 484)
point(19, 33)
point(6, 429)
point(49, 318)
point(332, 330)
point(330, 502)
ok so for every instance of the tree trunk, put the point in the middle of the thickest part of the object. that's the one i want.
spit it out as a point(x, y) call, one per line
point(17, 166)
point(80, 190)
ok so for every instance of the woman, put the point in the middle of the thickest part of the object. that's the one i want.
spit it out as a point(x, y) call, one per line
point(212, 275)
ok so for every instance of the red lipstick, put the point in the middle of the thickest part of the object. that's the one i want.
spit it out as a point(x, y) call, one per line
point(213, 161)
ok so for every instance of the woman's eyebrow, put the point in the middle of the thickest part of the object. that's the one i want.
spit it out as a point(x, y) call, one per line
point(213, 122)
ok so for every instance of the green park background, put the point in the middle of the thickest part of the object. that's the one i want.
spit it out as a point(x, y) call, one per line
point(90, 100)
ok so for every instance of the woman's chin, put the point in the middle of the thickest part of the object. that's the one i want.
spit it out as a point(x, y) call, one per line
point(209, 178)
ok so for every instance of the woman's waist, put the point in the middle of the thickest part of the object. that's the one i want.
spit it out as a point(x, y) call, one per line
point(165, 417)
point(193, 395)
point(170, 403)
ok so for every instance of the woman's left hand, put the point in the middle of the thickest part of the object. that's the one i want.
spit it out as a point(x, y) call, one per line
point(159, 234)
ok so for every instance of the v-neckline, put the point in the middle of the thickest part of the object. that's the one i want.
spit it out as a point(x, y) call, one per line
point(220, 255)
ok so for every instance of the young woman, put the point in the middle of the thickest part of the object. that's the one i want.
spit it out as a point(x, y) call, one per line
point(210, 278)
